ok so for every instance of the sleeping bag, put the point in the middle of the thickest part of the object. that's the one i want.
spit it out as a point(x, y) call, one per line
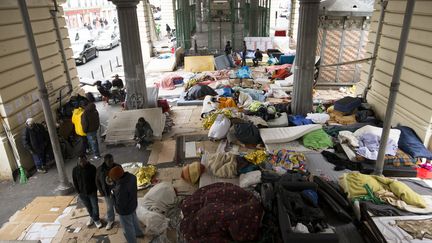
point(198, 92)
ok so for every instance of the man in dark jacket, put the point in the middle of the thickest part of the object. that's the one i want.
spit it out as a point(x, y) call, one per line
point(258, 57)
point(84, 180)
point(36, 141)
point(90, 124)
point(117, 82)
point(143, 133)
point(126, 202)
point(105, 185)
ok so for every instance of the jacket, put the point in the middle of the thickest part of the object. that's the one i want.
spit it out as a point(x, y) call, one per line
point(90, 119)
point(36, 139)
point(76, 120)
point(101, 174)
point(125, 194)
point(84, 179)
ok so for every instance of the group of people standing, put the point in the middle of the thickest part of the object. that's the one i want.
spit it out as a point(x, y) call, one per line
point(229, 52)
point(119, 188)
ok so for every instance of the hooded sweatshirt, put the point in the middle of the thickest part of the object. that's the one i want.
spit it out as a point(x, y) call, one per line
point(90, 119)
point(125, 194)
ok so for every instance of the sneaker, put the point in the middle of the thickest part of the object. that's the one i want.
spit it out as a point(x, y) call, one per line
point(43, 171)
point(90, 222)
point(97, 157)
point(98, 224)
point(109, 225)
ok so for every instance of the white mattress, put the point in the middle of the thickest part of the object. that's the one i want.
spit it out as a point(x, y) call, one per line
point(161, 65)
point(281, 121)
point(394, 234)
point(286, 134)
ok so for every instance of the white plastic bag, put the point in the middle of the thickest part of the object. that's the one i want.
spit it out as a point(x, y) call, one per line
point(155, 223)
point(250, 178)
point(220, 127)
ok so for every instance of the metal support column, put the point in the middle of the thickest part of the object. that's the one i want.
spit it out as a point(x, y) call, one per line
point(209, 25)
point(61, 47)
point(304, 65)
point(394, 86)
point(376, 46)
point(64, 187)
point(341, 48)
point(132, 56)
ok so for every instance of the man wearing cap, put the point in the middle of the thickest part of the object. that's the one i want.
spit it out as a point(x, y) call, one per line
point(36, 141)
point(84, 180)
point(126, 201)
point(104, 185)
point(117, 82)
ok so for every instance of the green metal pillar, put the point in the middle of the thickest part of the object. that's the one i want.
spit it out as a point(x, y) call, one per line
point(209, 25)
point(233, 19)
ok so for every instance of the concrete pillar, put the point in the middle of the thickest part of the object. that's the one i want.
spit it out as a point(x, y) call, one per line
point(132, 55)
point(305, 57)
point(199, 18)
point(253, 18)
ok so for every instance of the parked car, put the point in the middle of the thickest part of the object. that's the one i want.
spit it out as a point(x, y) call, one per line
point(83, 52)
point(107, 41)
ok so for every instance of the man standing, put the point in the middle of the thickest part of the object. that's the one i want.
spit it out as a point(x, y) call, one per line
point(244, 52)
point(76, 120)
point(228, 52)
point(90, 124)
point(84, 180)
point(126, 202)
point(36, 141)
point(105, 186)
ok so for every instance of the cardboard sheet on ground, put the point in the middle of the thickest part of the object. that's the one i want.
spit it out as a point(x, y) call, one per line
point(169, 174)
point(286, 134)
point(121, 126)
point(11, 231)
point(199, 63)
point(162, 152)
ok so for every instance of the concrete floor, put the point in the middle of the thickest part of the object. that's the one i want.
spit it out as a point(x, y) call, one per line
point(14, 196)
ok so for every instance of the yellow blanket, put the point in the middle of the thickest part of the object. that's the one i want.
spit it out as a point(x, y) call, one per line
point(353, 184)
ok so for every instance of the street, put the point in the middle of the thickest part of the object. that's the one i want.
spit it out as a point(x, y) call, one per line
point(105, 56)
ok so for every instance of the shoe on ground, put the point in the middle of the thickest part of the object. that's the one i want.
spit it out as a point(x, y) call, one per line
point(90, 222)
point(96, 157)
point(109, 225)
point(98, 224)
point(43, 171)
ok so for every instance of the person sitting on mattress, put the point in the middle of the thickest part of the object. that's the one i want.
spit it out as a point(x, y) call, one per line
point(258, 57)
point(143, 133)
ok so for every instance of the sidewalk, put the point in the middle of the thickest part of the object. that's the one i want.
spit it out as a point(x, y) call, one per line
point(16, 196)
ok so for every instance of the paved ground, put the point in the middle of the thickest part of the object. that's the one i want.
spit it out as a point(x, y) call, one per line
point(15, 196)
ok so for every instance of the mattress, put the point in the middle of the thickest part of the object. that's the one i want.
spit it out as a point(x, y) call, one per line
point(161, 65)
point(182, 102)
point(281, 121)
point(393, 233)
point(199, 63)
point(286, 134)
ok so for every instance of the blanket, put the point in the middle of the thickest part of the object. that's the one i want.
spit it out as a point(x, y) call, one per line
point(221, 212)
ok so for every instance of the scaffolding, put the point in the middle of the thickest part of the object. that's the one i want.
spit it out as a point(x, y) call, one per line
point(225, 20)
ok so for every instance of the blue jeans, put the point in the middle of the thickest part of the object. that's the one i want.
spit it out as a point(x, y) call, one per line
point(230, 60)
point(93, 142)
point(39, 159)
point(91, 203)
point(131, 227)
point(110, 208)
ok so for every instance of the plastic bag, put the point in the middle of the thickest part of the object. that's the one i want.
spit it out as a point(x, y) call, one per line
point(220, 127)
point(155, 223)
